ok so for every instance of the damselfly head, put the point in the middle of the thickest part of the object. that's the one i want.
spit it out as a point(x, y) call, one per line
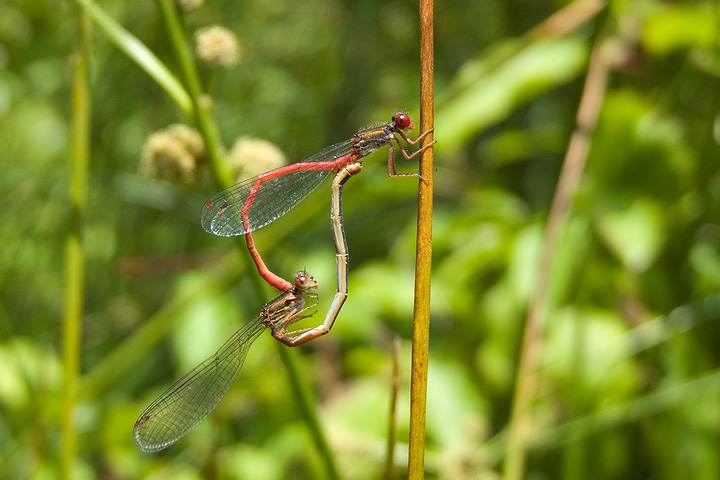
point(402, 121)
point(303, 281)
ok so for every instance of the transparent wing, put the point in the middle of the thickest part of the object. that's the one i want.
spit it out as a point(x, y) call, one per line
point(189, 400)
point(221, 214)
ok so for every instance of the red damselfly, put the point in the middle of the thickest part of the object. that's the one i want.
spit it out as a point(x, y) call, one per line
point(258, 201)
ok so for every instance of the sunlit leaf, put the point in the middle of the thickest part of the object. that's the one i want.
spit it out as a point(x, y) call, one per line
point(681, 26)
point(493, 95)
point(635, 234)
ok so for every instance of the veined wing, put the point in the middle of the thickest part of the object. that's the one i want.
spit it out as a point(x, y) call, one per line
point(221, 214)
point(189, 400)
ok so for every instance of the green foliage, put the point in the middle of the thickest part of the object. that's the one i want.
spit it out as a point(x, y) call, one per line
point(628, 383)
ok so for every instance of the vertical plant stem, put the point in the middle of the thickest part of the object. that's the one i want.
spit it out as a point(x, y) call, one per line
point(140, 54)
point(74, 255)
point(203, 119)
point(570, 175)
point(392, 417)
point(303, 400)
point(421, 313)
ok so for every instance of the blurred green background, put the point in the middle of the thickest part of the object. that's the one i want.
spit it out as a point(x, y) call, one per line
point(628, 383)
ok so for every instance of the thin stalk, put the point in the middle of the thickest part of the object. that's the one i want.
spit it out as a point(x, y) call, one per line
point(202, 117)
point(392, 417)
point(520, 429)
point(140, 54)
point(74, 254)
point(421, 308)
point(303, 399)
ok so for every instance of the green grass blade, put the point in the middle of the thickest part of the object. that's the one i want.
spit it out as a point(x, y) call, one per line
point(138, 52)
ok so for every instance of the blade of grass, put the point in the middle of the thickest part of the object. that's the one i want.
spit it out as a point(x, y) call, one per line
point(140, 54)
point(74, 254)
point(421, 313)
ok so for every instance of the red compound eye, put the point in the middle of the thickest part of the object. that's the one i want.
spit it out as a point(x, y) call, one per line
point(302, 280)
point(402, 120)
